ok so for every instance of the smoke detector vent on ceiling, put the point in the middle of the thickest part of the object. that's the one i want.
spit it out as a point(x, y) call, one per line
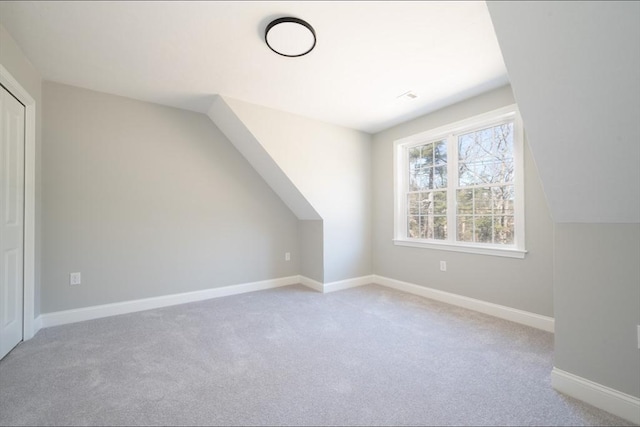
point(408, 95)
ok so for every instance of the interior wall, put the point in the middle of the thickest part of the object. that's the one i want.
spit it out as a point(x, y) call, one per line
point(331, 166)
point(582, 116)
point(146, 200)
point(597, 297)
point(525, 284)
point(579, 93)
point(12, 58)
point(310, 246)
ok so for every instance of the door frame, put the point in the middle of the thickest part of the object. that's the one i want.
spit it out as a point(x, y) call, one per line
point(16, 89)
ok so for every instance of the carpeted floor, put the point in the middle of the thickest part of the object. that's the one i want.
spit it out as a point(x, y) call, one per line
point(290, 356)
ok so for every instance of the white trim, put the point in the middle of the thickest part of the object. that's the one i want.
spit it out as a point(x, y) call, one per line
point(37, 324)
point(620, 404)
point(442, 132)
point(310, 283)
point(124, 307)
point(337, 285)
point(449, 134)
point(518, 158)
point(348, 283)
point(7, 80)
point(503, 312)
point(453, 247)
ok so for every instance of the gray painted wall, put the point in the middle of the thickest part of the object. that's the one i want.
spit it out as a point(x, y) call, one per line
point(310, 247)
point(525, 284)
point(578, 90)
point(12, 58)
point(597, 297)
point(582, 117)
point(146, 200)
point(331, 166)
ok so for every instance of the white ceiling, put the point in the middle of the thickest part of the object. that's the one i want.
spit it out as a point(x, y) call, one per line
point(183, 53)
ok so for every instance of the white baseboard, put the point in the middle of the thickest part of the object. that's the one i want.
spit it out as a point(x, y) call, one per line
point(87, 313)
point(310, 283)
point(608, 399)
point(106, 310)
point(348, 283)
point(519, 316)
point(37, 325)
point(337, 285)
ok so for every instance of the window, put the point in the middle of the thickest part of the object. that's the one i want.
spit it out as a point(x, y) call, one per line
point(460, 187)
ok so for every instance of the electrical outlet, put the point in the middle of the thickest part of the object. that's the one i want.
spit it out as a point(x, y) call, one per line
point(287, 256)
point(74, 279)
point(443, 265)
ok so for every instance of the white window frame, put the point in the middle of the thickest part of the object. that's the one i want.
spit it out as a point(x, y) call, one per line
point(449, 133)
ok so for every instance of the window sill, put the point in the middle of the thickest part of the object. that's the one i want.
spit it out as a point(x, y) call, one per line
point(480, 250)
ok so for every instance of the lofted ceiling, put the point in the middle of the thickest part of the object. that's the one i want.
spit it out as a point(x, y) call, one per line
point(182, 54)
point(577, 84)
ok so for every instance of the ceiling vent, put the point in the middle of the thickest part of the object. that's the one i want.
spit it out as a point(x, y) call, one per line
point(408, 95)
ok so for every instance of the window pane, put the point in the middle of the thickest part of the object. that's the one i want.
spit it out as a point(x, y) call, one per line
point(464, 201)
point(424, 225)
point(485, 172)
point(504, 139)
point(414, 179)
point(426, 203)
point(414, 155)
point(466, 175)
point(440, 202)
point(472, 174)
point(414, 165)
point(440, 177)
point(413, 186)
point(486, 156)
point(483, 232)
point(504, 229)
point(421, 222)
point(440, 227)
point(427, 154)
point(506, 171)
point(412, 203)
point(489, 143)
point(482, 201)
point(412, 226)
point(465, 228)
point(427, 178)
point(503, 200)
point(465, 144)
point(434, 227)
point(492, 171)
point(440, 153)
point(420, 170)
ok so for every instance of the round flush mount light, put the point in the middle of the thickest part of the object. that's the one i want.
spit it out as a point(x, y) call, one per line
point(290, 37)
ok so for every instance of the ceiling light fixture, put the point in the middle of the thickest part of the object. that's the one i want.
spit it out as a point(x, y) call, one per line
point(290, 37)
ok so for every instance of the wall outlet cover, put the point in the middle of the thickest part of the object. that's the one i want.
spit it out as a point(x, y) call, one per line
point(75, 279)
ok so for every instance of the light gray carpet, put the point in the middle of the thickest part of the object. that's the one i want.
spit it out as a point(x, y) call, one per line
point(290, 356)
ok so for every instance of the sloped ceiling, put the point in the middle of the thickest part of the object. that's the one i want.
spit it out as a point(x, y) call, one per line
point(574, 68)
point(241, 137)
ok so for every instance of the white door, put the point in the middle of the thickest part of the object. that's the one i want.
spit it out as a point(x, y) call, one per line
point(11, 220)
